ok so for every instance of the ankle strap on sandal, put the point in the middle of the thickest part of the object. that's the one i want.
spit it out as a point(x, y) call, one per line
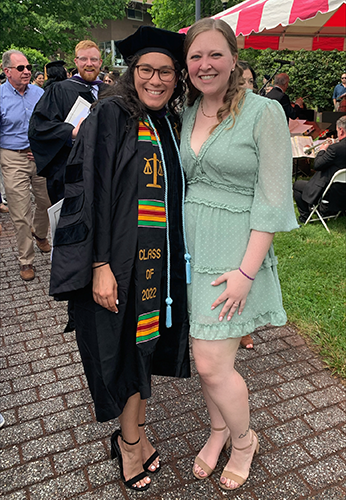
point(131, 444)
point(245, 447)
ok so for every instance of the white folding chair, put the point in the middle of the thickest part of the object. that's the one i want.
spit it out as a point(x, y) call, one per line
point(339, 176)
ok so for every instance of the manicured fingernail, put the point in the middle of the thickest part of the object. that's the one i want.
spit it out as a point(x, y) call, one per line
point(212, 283)
point(212, 308)
point(116, 312)
point(117, 302)
point(220, 318)
point(228, 318)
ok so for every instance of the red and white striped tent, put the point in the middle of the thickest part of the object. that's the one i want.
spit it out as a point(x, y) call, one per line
point(288, 24)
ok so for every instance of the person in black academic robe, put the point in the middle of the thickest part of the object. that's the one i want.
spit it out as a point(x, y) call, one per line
point(125, 152)
point(51, 138)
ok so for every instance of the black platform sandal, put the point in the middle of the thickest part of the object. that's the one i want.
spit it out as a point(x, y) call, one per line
point(116, 453)
point(150, 460)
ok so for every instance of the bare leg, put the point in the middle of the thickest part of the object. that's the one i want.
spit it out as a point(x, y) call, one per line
point(227, 398)
point(132, 455)
point(147, 448)
point(218, 437)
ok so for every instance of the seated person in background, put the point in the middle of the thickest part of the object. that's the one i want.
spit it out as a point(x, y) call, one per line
point(278, 93)
point(249, 76)
point(329, 160)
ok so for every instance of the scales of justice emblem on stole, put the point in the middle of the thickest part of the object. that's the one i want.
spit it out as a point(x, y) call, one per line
point(151, 237)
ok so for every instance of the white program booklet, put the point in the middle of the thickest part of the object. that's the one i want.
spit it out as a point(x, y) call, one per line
point(54, 216)
point(80, 109)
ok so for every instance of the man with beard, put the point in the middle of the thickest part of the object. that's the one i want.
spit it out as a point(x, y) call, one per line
point(51, 138)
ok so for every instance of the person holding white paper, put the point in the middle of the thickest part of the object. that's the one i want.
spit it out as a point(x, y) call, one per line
point(51, 137)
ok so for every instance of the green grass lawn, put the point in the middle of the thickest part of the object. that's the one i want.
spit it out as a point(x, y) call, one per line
point(312, 270)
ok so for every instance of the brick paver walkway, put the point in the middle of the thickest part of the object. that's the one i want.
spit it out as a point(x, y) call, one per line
point(52, 448)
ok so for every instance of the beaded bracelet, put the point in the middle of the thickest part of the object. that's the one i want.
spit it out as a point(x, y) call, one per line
point(100, 265)
point(244, 274)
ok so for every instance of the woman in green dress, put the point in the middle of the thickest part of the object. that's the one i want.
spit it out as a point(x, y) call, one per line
point(236, 153)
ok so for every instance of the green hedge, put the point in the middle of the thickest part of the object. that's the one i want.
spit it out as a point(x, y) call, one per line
point(314, 74)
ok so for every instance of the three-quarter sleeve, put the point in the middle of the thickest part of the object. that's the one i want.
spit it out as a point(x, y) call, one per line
point(272, 208)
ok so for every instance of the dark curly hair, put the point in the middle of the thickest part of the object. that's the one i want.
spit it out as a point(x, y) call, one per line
point(126, 89)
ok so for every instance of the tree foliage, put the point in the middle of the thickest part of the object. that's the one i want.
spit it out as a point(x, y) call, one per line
point(53, 26)
point(313, 76)
point(176, 14)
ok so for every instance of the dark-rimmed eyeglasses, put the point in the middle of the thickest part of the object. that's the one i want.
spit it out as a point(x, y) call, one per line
point(147, 72)
point(343, 78)
point(21, 67)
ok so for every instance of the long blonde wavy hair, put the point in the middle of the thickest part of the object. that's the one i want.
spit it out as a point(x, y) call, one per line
point(234, 97)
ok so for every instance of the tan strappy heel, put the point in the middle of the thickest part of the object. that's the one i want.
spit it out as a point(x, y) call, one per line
point(205, 467)
point(234, 477)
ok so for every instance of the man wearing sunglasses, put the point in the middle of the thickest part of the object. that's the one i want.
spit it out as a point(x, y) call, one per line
point(18, 99)
point(52, 138)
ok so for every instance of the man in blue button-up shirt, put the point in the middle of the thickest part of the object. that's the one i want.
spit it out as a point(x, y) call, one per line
point(17, 101)
point(339, 91)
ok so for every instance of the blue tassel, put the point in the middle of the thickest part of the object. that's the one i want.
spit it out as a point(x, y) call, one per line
point(187, 257)
point(169, 301)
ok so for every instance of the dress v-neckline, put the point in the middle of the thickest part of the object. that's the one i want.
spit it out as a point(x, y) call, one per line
point(211, 137)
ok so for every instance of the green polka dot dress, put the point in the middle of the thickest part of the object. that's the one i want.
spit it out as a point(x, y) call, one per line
point(240, 180)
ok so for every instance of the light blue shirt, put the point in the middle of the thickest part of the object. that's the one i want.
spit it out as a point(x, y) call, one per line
point(15, 113)
point(338, 91)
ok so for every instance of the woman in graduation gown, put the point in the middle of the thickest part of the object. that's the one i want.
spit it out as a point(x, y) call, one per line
point(120, 248)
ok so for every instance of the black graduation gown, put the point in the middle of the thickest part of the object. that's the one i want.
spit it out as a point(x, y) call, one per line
point(99, 222)
point(49, 135)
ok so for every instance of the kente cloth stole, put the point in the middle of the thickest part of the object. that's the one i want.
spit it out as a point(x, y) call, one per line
point(151, 238)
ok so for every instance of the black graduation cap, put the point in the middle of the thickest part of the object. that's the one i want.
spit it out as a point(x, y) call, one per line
point(55, 64)
point(149, 39)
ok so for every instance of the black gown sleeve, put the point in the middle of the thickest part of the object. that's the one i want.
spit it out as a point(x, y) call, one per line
point(83, 234)
point(49, 134)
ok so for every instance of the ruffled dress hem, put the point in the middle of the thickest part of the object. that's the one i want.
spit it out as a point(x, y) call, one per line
point(225, 330)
